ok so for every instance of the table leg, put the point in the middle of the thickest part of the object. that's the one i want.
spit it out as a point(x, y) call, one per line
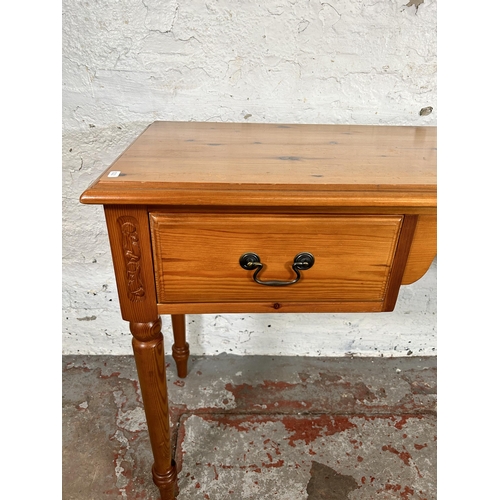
point(180, 349)
point(150, 361)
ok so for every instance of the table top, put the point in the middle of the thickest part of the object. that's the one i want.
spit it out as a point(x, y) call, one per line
point(207, 163)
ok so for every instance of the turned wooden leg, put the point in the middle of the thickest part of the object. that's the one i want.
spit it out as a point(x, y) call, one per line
point(180, 349)
point(150, 361)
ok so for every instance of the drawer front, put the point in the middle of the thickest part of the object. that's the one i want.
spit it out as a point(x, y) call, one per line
point(196, 257)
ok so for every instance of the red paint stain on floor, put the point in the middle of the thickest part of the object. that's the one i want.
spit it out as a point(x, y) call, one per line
point(114, 374)
point(306, 429)
point(420, 446)
point(399, 425)
point(398, 488)
point(309, 429)
point(403, 455)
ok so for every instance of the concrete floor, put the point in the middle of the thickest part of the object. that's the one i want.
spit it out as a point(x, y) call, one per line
point(256, 427)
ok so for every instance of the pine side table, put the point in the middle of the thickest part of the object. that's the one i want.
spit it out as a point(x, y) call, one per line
point(243, 217)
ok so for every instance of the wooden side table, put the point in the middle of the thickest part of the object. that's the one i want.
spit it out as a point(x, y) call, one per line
point(239, 218)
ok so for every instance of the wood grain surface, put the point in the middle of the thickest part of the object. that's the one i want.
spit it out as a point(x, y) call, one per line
point(423, 249)
point(234, 163)
point(196, 256)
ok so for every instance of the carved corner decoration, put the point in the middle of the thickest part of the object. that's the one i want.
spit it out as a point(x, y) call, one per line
point(132, 254)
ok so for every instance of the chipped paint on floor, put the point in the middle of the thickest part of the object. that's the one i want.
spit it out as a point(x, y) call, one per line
point(256, 427)
point(240, 457)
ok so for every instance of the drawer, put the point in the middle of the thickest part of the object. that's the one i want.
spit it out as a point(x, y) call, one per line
point(197, 257)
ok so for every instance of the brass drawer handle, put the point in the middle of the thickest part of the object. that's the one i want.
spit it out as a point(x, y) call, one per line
point(302, 261)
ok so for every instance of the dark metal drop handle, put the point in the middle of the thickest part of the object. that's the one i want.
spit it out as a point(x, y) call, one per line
point(302, 262)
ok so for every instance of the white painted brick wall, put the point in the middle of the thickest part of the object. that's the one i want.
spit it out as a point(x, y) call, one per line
point(127, 63)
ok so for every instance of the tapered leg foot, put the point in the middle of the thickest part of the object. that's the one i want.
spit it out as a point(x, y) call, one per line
point(150, 361)
point(167, 483)
point(180, 349)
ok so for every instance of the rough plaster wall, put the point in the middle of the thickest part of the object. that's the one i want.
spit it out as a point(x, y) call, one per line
point(127, 63)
